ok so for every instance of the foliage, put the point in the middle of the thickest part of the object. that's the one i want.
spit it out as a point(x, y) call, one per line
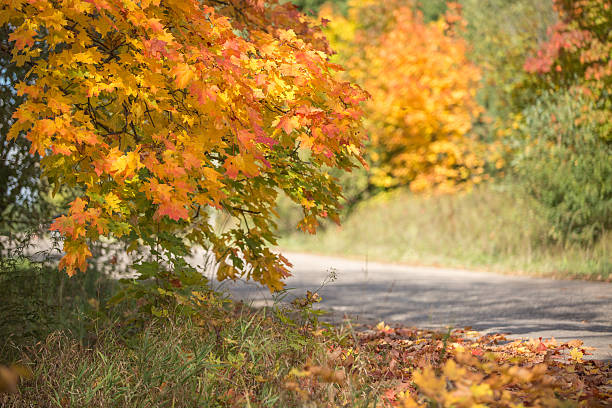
point(497, 227)
point(240, 357)
point(313, 6)
point(578, 46)
point(22, 193)
point(433, 10)
point(464, 369)
point(566, 166)
point(576, 55)
point(422, 105)
point(355, 187)
point(157, 291)
point(568, 131)
point(160, 125)
point(501, 35)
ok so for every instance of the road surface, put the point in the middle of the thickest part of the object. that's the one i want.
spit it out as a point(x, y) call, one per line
point(430, 297)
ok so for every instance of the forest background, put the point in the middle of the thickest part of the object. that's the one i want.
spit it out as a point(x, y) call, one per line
point(494, 152)
point(489, 146)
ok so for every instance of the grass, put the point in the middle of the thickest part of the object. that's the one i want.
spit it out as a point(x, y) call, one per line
point(493, 228)
point(239, 360)
point(38, 299)
point(228, 354)
point(83, 354)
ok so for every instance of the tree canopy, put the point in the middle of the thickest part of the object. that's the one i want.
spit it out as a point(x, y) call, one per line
point(423, 91)
point(160, 113)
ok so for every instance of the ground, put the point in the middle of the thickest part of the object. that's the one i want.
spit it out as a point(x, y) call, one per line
point(428, 297)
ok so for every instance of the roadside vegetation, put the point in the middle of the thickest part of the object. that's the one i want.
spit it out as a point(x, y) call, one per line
point(500, 160)
point(494, 227)
point(77, 350)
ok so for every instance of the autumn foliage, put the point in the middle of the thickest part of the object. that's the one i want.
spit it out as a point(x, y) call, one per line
point(579, 43)
point(576, 55)
point(422, 90)
point(421, 368)
point(161, 113)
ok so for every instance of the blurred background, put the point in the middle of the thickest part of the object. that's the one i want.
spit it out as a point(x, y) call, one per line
point(490, 135)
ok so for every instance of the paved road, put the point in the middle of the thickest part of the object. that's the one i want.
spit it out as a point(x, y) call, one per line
point(437, 297)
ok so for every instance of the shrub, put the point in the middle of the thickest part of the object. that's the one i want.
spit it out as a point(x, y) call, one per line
point(566, 165)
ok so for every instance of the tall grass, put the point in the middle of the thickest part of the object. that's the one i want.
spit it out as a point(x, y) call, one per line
point(37, 299)
point(173, 364)
point(494, 227)
point(230, 355)
point(83, 354)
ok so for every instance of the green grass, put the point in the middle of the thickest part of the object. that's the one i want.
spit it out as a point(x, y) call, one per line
point(237, 360)
point(84, 354)
point(228, 354)
point(493, 228)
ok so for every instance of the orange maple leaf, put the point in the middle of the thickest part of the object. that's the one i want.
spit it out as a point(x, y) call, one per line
point(173, 209)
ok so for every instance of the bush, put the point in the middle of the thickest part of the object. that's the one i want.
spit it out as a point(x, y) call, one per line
point(566, 166)
point(38, 299)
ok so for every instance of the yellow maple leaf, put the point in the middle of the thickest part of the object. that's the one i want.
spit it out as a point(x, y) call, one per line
point(111, 202)
point(576, 354)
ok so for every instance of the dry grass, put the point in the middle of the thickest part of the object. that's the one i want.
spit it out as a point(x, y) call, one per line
point(493, 227)
point(240, 357)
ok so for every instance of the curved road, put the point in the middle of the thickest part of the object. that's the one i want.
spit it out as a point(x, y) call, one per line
point(430, 297)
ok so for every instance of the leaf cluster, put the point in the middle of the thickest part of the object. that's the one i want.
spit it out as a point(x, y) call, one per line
point(422, 104)
point(164, 114)
point(578, 47)
point(420, 368)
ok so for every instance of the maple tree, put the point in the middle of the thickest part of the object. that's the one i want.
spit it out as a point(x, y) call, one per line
point(162, 112)
point(422, 90)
